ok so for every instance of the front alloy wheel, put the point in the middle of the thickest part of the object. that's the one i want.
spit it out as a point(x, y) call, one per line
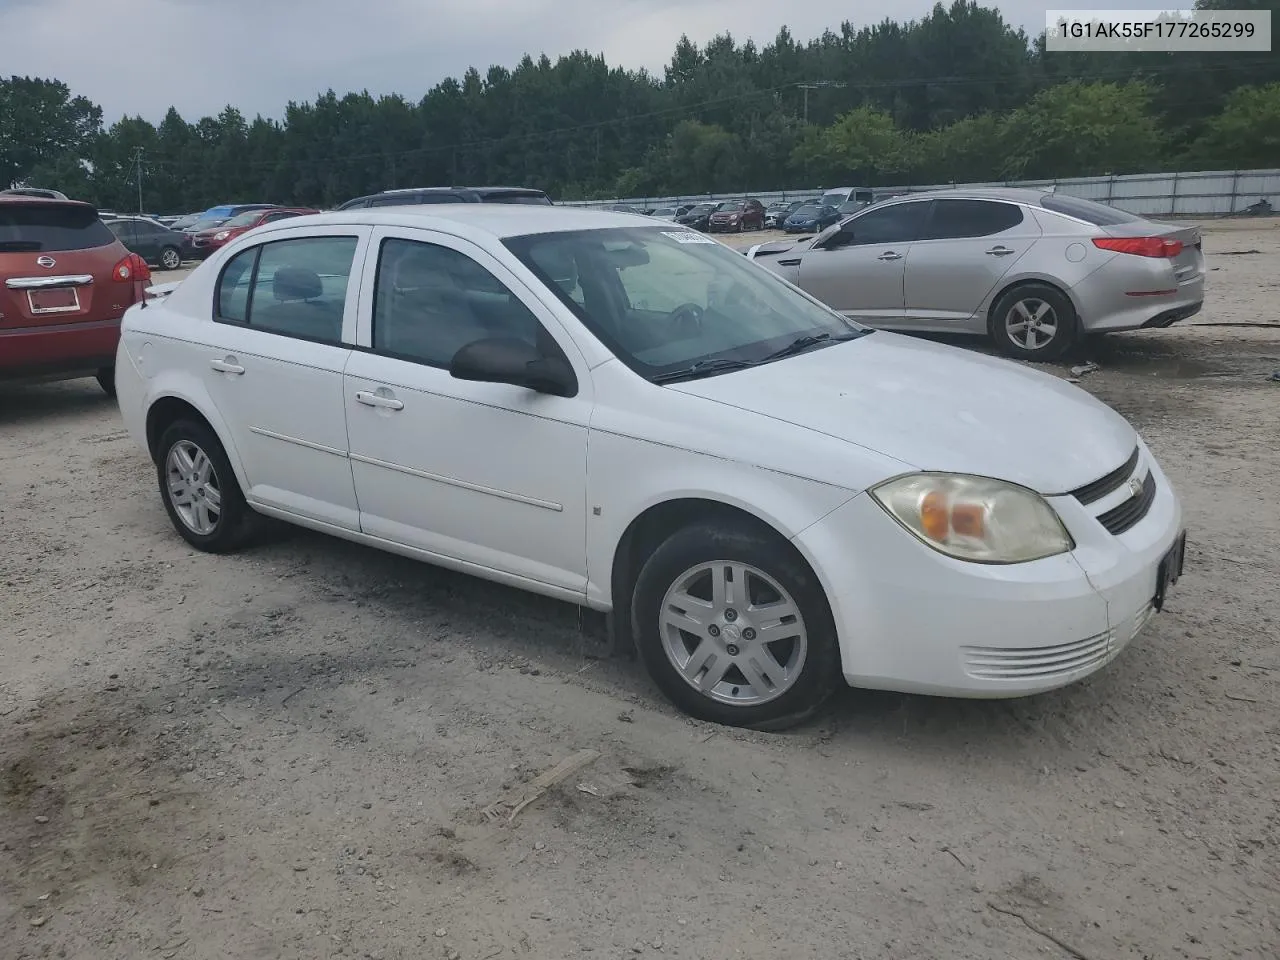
point(734, 627)
point(734, 633)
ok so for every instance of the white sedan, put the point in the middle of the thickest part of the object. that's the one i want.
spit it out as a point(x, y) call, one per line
point(766, 496)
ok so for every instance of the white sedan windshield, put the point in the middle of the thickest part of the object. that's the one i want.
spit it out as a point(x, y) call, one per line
point(662, 300)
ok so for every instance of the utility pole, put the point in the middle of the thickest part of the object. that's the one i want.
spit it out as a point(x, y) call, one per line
point(816, 85)
point(137, 158)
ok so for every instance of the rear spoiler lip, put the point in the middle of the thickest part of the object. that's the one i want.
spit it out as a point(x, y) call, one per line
point(161, 290)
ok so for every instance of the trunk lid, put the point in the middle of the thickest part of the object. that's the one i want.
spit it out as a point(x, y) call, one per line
point(57, 261)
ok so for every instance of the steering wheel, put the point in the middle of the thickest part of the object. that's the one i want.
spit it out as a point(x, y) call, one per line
point(686, 320)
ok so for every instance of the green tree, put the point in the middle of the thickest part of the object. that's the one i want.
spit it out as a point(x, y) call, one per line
point(1244, 136)
point(864, 146)
point(1080, 129)
point(40, 121)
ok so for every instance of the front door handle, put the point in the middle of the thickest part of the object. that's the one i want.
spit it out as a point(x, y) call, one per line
point(227, 365)
point(1000, 252)
point(788, 263)
point(375, 400)
point(889, 255)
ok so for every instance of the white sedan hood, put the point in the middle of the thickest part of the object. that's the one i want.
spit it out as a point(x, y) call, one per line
point(937, 408)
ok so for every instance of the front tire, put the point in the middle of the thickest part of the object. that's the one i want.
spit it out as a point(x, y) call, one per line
point(734, 627)
point(1034, 322)
point(170, 258)
point(200, 491)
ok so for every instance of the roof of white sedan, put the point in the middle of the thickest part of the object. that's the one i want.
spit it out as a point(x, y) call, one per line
point(497, 219)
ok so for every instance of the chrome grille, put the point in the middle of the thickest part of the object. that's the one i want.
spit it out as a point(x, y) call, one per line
point(1036, 663)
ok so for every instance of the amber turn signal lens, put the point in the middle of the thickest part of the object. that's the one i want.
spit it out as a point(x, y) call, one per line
point(934, 515)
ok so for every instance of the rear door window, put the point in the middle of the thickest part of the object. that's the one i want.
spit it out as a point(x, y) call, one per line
point(48, 227)
point(297, 288)
point(959, 219)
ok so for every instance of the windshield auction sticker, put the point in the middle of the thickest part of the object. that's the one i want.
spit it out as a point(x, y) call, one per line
point(685, 236)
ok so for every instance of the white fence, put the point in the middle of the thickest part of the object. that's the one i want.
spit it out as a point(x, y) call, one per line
point(1209, 193)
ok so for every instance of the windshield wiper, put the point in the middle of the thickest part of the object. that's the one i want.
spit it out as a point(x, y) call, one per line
point(703, 368)
point(20, 246)
point(800, 344)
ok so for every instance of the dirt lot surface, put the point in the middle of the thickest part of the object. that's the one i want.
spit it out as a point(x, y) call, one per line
point(286, 753)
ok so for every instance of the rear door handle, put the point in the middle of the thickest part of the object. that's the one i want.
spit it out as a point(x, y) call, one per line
point(374, 400)
point(788, 263)
point(1000, 252)
point(889, 255)
point(228, 365)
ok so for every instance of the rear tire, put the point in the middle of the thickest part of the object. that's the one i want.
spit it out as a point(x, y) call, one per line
point(723, 668)
point(106, 377)
point(200, 490)
point(1035, 322)
point(170, 258)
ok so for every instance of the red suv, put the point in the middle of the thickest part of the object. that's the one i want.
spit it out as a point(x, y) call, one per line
point(737, 215)
point(206, 242)
point(65, 282)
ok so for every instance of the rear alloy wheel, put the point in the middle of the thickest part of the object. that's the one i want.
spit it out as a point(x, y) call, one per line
point(1034, 322)
point(170, 258)
point(734, 628)
point(106, 377)
point(199, 489)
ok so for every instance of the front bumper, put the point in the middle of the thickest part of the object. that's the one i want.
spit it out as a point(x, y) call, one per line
point(911, 619)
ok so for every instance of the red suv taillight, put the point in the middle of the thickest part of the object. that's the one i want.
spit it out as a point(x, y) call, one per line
point(131, 269)
point(1140, 246)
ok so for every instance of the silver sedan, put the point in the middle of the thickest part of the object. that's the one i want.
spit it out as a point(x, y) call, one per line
point(1033, 270)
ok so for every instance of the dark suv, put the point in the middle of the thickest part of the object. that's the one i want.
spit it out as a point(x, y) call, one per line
point(415, 195)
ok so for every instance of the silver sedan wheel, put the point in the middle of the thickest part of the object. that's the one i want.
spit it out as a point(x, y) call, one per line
point(193, 487)
point(1031, 323)
point(733, 633)
point(170, 259)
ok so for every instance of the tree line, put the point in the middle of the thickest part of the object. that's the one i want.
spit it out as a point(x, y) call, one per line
point(958, 95)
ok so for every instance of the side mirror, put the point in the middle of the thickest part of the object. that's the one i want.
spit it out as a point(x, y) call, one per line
point(517, 362)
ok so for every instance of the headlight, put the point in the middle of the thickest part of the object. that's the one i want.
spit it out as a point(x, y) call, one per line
point(975, 518)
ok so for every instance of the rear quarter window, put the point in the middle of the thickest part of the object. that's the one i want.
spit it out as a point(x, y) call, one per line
point(49, 227)
point(1099, 214)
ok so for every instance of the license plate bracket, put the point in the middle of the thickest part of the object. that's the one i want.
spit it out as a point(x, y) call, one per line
point(1170, 570)
point(53, 300)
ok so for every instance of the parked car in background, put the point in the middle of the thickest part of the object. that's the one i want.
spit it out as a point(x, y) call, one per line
point(154, 242)
point(697, 216)
point(217, 216)
point(38, 192)
point(837, 196)
point(415, 195)
point(778, 212)
point(670, 213)
point(186, 220)
point(810, 218)
point(766, 496)
point(1034, 271)
point(735, 216)
point(205, 242)
point(65, 281)
point(622, 208)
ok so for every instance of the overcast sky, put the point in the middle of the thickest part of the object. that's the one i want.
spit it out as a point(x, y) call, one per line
point(141, 56)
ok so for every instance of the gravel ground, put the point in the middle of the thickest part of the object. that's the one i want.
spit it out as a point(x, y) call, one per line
point(286, 753)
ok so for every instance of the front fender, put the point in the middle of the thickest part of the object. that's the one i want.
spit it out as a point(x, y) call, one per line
point(627, 476)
